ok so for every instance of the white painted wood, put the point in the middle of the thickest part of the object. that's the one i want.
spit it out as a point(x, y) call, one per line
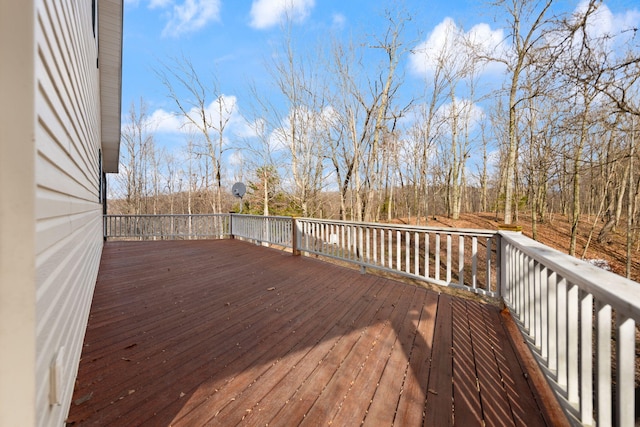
point(436, 264)
point(553, 322)
point(390, 248)
point(448, 258)
point(619, 292)
point(416, 253)
point(603, 361)
point(544, 313)
point(573, 350)
point(398, 249)
point(461, 260)
point(586, 355)
point(426, 255)
point(626, 352)
point(474, 264)
point(407, 252)
point(537, 305)
point(562, 331)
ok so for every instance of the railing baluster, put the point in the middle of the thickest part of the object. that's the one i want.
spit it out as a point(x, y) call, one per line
point(488, 286)
point(626, 352)
point(437, 258)
point(573, 336)
point(368, 242)
point(390, 248)
point(553, 321)
point(586, 354)
point(535, 303)
point(416, 253)
point(407, 251)
point(562, 331)
point(461, 260)
point(474, 262)
point(426, 255)
point(448, 258)
point(603, 361)
point(382, 248)
point(544, 313)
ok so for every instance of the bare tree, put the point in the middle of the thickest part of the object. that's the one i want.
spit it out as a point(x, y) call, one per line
point(204, 109)
point(527, 23)
point(137, 141)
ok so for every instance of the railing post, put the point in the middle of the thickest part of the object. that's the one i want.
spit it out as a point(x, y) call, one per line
point(294, 237)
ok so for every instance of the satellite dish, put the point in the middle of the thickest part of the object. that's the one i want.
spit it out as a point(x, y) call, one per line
point(238, 189)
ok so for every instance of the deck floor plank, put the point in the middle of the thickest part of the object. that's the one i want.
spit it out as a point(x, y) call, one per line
point(383, 405)
point(466, 393)
point(229, 333)
point(439, 403)
point(412, 400)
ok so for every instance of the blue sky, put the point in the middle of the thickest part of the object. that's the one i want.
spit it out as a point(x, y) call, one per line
point(233, 39)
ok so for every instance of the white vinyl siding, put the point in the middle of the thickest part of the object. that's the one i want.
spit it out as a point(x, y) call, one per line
point(68, 225)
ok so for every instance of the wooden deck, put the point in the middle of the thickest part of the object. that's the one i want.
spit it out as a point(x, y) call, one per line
point(226, 332)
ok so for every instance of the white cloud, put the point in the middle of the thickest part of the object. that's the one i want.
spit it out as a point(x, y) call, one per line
point(268, 13)
point(339, 20)
point(163, 121)
point(469, 115)
point(154, 4)
point(236, 158)
point(188, 16)
point(450, 46)
point(603, 22)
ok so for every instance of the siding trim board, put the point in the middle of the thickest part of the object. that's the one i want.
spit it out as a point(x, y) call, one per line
point(17, 206)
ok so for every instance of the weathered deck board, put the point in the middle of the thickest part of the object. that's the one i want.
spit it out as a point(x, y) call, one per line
point(229, 333)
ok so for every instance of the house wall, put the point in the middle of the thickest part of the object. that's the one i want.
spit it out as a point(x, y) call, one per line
point(52, 127)
point(68, 239)
point(68, 221)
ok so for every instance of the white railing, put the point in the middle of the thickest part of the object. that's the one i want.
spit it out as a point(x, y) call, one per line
point(580, 322)
point(274, 230)
point(460, 258)
point(166, 227)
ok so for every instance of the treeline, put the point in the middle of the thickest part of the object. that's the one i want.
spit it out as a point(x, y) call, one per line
point(341, 138)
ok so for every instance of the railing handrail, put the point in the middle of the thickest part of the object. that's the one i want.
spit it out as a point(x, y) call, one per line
point(618, 291)
point(406, 227)
point(165, 215)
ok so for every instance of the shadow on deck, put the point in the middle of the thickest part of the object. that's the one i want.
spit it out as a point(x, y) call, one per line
point(225, 332)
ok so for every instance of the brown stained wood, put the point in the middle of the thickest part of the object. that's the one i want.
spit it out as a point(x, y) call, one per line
point(466, 393)
point(412, 400)
point(229, 333)
point(495, 404)
point(383, 406)
point(306, 396)
point(367, 384)
point(348, 373)
point(439, 404)
point(299, 370)
point(526, 412)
